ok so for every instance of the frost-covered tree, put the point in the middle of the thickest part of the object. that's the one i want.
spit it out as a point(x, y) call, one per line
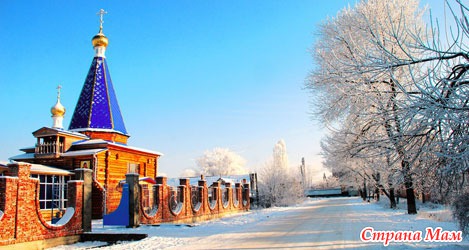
point(221, 162)
point(395, 95)
point(357, 84)
point(189, 172)
point(376, 172)
point(278, 185)
point(328, 182)
point(280, 155)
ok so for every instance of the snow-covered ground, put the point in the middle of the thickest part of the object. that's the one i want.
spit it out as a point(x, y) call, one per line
point(316, 223)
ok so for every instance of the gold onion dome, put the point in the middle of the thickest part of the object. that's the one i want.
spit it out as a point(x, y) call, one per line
point(58, 109)
point(100, 40)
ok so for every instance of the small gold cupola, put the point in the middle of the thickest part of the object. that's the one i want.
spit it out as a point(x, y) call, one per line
point(58, 111)
point(100, 40)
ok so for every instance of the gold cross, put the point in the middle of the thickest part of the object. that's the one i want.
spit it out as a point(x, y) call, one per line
point(101, 14)
point(58, 91)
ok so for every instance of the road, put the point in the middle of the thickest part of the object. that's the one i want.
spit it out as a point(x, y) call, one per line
point(333, 223)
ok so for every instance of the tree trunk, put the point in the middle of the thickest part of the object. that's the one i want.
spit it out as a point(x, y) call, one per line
point(392, 198)
point(390, 195)
point(423, 192)
point(364, 190)
point(411, 207)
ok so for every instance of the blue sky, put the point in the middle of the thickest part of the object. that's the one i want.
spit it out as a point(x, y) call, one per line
point(189, 75)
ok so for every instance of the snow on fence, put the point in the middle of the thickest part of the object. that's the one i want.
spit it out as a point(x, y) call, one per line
point(191, 203)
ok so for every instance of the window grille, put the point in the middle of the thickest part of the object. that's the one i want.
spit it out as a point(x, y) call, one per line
point(52, 191)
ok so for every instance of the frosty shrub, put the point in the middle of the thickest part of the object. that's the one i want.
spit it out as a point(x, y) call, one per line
point(221, 162)
point(278, 184)
point(461, 212)
point(278, 187)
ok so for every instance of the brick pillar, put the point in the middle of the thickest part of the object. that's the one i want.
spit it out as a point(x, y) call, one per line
point(134, 204)
point(236, 190)
point(75, 199)
point(185, 189)
point(162, 181)
point(23, 170)
point(203, 194)
point(217, 195)
point(230, 195)
point(246, 193)
point(85, 175)
point(8, 206)
point(184, 182)
point(25, 200)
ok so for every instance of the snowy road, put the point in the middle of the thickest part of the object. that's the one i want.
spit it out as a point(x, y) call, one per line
point(316, 224)
point(330, 224)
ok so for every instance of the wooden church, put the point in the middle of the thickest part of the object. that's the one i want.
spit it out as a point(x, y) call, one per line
point(96, 139)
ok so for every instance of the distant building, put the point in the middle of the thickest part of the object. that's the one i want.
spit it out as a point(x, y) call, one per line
point(96, 139)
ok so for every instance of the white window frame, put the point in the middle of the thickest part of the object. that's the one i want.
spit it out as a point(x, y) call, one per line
point(57, 182)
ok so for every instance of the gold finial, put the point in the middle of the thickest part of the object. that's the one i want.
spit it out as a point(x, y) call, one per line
point(101, 14)
point(58, 109)
point(100, 39)
point(58, 91)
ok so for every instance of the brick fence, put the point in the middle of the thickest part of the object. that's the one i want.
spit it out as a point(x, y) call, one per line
point(195, 205)
point(21, 221)
point(182, 204)
point(20, 216)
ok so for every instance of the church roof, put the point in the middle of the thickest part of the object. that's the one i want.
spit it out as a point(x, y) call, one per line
point(24, 156)
point(47, 131)
point(39, 169)
point(83, 152)
point(48, 170)
point(100, 141)
point(97, 107)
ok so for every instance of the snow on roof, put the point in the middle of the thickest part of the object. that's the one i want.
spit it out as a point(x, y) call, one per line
point(3, 166)
point(89, 142)
point(28, 148)
point(70, 132)
point(101, 141)
point(61, 131)
point(28, 156)
point(83, 152)
point(24, 156)
point(140, 149)
point(49, 170)
point(76, 130)
point(41, 169)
